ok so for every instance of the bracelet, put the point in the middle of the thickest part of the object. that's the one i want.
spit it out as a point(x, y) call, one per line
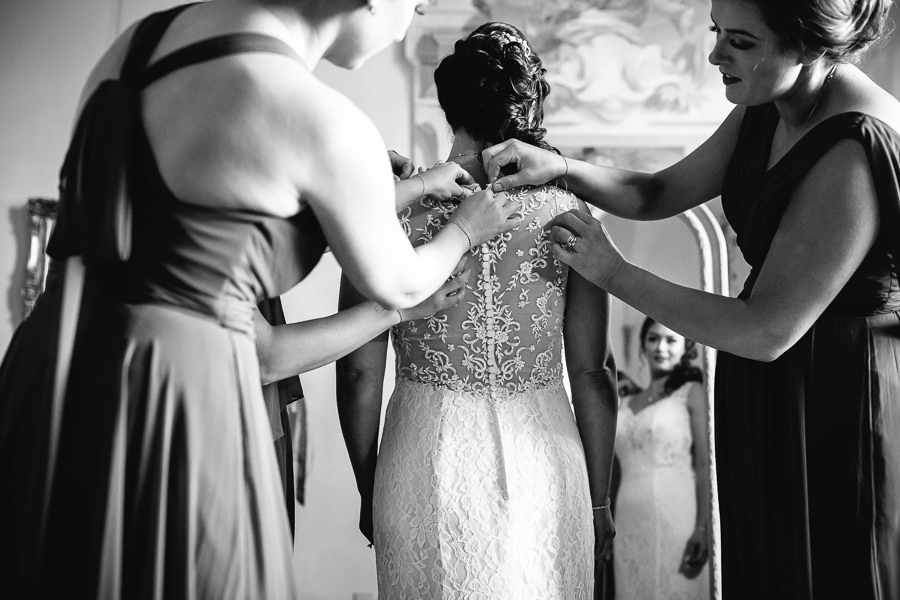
point(422, 179)
point(563, 176)
point(465, 227)
point(602, 506)
point(401, 315)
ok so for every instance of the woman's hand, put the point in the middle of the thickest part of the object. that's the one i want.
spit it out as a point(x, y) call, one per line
point(604, 532)
point(448, 295)
point(445, 180)
point(484, 215)
point(366, 526)
point(402, 167)
point(696, 553)
point(534, 166)
point(582, 242)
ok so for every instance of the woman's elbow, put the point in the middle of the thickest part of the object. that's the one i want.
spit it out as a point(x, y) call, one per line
point(268, 371)
point(768, 346)
point(390, 293)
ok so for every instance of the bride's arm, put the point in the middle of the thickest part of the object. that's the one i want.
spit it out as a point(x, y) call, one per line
point(359, 379)
point(592, 374)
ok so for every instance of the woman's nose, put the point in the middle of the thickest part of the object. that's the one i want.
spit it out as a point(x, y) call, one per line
point(716, 56)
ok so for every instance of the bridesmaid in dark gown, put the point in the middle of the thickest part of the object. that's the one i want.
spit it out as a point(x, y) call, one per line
point(140, 464)
point(808, 377)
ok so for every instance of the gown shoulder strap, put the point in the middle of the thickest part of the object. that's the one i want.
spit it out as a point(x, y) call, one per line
point(204, 50)
point(145, 39)
point(135, 69)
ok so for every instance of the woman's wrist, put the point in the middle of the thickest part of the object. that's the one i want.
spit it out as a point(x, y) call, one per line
point(388, 317)
point(463, 225)
point(615, 277)
point(422, 180)
point(602, 505)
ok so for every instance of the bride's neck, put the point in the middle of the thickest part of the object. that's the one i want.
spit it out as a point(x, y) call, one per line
point(466, 152)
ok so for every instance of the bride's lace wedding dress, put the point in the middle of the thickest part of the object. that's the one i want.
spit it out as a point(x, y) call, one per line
point(481, 485)
point(656, 505)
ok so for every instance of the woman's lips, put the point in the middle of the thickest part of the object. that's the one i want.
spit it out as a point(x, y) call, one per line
point(729, 79)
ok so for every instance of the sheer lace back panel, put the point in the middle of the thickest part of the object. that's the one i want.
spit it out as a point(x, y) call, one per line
point(506, 335)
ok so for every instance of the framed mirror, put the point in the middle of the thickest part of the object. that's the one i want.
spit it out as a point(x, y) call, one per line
point(41, 219)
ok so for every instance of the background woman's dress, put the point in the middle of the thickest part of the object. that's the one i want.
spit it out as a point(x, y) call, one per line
point(656, 503)
point(481, 486)
point(808, 446)
point(165, 484)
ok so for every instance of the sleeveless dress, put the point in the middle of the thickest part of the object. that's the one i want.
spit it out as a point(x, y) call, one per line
point(656, 503)
point(481, 487)
point(165, 483)
point(808, 445)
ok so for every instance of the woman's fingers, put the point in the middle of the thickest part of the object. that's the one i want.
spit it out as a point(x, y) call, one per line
point(463, 177)
point(575, 220)
point(496, 157)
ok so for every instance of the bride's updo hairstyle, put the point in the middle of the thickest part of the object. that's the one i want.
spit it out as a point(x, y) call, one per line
point(493, 86)
point(837, 30)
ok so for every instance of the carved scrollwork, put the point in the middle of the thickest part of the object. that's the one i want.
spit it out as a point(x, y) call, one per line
point(41, 219)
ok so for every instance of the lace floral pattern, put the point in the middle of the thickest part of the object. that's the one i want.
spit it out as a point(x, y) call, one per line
point(481, 486)
point(507, 338)
point(656, 505)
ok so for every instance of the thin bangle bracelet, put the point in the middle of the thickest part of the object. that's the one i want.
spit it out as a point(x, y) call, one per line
point(422, 179)
point(602, 506)
point(401, 315)
point(463, 229)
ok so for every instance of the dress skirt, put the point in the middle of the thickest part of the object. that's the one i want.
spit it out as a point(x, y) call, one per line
point(164, 484)
point(808, 453)
point(477, 498)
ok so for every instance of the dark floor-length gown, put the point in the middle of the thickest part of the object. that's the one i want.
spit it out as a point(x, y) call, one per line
point(808, 445)
point(165, 482)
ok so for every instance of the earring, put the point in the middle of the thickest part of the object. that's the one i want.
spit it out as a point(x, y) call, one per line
point(372, 8)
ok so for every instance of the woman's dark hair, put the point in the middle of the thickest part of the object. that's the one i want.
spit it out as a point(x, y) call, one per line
point(493, 86)
point(837, 30)
point(685, 370)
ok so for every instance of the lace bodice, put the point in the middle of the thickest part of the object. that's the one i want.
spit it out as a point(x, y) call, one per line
point(505, 337)
point(657, 436)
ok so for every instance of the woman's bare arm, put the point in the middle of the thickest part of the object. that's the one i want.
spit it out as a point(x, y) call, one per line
point(691, 181)
point(294, 348)
point(825, 233)
point(592, 375)
point(699, 411)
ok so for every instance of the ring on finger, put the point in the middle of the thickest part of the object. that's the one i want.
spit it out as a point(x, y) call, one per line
point(569, 244)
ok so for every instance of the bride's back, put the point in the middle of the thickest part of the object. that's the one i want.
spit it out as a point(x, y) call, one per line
point(506, 335)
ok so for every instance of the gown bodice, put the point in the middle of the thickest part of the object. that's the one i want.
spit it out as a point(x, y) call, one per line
point(505, 337)
point(657, 436)
point(212, 260)
point(754, 198)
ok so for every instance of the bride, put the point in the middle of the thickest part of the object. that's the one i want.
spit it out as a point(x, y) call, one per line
point(486, 483)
